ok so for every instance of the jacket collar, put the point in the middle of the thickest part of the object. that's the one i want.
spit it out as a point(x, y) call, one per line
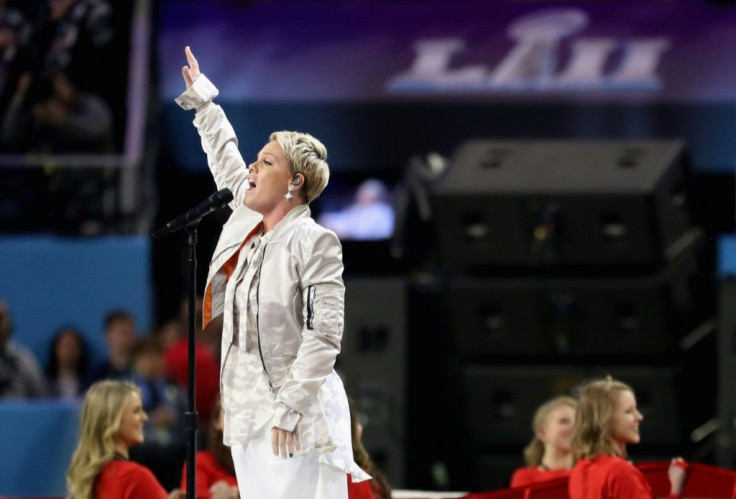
point(285, 224)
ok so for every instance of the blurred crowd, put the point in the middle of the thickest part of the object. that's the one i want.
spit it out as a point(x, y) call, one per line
point(56, 81)
point(155, 362)
point(63, 81)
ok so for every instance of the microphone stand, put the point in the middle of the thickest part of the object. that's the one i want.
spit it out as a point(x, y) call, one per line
point(191, 417)
point(189, 221)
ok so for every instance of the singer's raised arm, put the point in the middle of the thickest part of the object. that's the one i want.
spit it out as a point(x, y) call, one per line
point(218, 137)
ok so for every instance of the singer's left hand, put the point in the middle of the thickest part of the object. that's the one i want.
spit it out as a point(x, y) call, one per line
point(191, 72)
point(285, 443)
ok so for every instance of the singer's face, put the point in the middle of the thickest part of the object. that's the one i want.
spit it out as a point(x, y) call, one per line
point(269, 177)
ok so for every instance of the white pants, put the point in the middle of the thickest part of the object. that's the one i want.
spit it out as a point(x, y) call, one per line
point(261, 475)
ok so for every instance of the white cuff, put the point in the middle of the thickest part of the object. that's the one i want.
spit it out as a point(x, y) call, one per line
point(286, 418)
point(200, 93)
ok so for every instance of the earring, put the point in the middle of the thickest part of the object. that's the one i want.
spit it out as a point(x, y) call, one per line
point(289, 196)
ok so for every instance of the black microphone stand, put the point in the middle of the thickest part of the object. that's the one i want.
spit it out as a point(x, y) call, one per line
point(189, 221)
point(191, 416)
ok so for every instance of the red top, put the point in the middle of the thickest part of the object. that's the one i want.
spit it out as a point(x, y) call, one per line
point(360, 490)
point(208, 373)
point(607, 477)
point(121, 479)
point(534, 474)
point(208, 473)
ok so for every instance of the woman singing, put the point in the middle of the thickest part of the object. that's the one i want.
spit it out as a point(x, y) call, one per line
point(276, 278)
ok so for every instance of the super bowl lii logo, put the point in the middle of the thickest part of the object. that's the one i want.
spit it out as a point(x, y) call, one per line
point(534, 62)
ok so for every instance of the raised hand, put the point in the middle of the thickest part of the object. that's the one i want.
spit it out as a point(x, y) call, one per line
point(191, 72)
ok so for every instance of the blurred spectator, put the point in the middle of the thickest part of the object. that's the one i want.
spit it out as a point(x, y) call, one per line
point(120, 336)
point(208, 368)
point(215, 474)
point(76, 35)
point(63, 83)
point(165, 444)
point(378, 487)
point(606, 423)
point(52, 115)
point(210, 337)
point(15, 32)
point(162, 400)
point(170, 332)
point(20, 374)
point(549, 454)
point(67, 372)
point(369, 217)
point(111, 423)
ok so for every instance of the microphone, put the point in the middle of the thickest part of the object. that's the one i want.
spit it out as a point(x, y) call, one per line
point(212, 203)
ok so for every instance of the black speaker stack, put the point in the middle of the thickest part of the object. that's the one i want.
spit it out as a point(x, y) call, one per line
point(560, 261)
point(373, 366)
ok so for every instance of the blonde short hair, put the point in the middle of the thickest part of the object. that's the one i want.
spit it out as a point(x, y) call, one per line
point(307, 156)
point(591, 434)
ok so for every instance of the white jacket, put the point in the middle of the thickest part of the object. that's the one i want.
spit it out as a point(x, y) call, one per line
point(300, 294)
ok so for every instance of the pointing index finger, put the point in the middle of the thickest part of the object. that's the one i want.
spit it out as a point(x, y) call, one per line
point(193, 64)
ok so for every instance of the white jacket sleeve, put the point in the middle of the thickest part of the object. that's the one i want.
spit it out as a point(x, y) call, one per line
point(324, 303)
point(218, 139)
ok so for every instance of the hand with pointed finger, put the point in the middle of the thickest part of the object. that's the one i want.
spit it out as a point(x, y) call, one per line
point(191, 72)
point(285, 443)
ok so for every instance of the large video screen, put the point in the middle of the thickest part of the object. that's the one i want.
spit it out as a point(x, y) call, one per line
point(358, 212)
